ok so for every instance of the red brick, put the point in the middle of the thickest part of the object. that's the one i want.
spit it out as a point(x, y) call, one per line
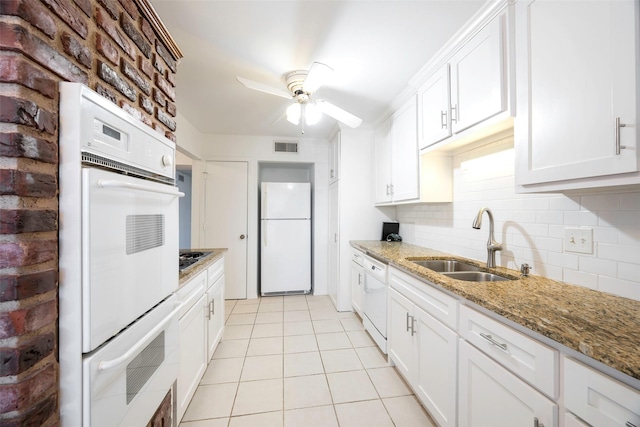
point(106, 93)
point(165, 119)
point(30, 252)
point(171, 109)
point(136, 113)
point(109, 26)
point(111, 7)
point(107, 49)
point(33, 12)
point(146, 104)
point(132, 74)
point(41, 414)
point(27, 184)
point(17, 69)
point(131, 8)
point(28, 392)
point(77, 50)
point(168, 58)
point(85, 6)
point(17, 38)
point(158, 63)
point(110, 76)
point(171, 136)
point(145, 66)
point(21, 145)
point(147, 30)
point(159, 98)
point(171, 78)
point(163, 414)
point(21, 358)
point(26, 320)
point(24, 112)
point(165, 87)
point(69, 14)
point(17, 221)
point(18, 287)
point(136, 36)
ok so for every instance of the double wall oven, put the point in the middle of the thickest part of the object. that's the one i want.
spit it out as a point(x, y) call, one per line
point(118, 271)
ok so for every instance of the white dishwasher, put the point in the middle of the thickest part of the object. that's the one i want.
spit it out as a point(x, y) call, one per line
point(374, 304)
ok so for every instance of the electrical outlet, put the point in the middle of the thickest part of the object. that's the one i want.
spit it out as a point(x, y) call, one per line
point(578, 240)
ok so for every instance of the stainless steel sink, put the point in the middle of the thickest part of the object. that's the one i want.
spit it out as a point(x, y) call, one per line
point(446, 265)
point(475, 276)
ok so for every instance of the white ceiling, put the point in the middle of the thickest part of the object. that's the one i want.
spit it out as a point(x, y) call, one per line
point(375, 47)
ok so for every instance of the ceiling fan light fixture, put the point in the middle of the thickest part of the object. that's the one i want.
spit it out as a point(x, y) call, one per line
point(312, 114)
point(294, 111)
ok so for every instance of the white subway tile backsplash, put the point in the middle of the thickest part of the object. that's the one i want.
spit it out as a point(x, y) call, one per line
point(531, 226)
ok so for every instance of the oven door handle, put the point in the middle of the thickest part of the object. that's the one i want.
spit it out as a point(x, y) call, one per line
point(112, 183)
point(109, 364)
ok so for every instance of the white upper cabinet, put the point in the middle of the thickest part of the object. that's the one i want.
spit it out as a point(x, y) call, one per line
point(478, 83)
point(396, 156)
point(577, 78)
point(468, 90)
point(434, 108)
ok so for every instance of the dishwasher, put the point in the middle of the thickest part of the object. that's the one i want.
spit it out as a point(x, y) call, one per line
point(374, 304)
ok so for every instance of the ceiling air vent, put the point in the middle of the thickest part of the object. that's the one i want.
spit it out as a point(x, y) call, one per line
point(285, 147)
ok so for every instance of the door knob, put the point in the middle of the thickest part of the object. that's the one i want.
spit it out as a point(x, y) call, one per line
point(242, 236)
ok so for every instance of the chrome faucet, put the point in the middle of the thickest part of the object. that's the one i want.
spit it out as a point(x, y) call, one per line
point(492, 245)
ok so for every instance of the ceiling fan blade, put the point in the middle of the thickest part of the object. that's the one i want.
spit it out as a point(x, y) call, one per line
point(264, 88)
point(338, 113)
point(318, 75)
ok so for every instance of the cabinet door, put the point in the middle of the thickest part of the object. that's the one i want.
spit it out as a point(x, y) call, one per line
point(492, 396)
point(334, 158)
point(577, 73)
point(405, 164)
point(478, 78)
point(437, 378)
point(357, 279)
point(215, 316)
point(383, 156)
point(400, 347)
point(193, 353)
point(434, 114)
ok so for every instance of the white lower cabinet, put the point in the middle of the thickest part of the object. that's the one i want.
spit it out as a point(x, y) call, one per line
point(193, 340)
point(598, 399)
point(357, 281)
point(423, 348)
point(215, 306)
point(489, 395)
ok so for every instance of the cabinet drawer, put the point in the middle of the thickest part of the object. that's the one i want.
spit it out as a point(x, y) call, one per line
point(214, 271)
point(438, 304)
point(191, 291)
point(529, 359)
point(357, 257)
point(599, 399)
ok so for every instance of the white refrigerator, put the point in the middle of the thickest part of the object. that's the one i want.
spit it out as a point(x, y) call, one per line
point(285, 241)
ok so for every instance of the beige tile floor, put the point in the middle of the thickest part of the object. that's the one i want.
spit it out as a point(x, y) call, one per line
point(295, 361)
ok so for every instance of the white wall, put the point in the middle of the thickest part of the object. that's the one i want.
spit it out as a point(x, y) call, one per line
point(532, 226)
point(257, 149)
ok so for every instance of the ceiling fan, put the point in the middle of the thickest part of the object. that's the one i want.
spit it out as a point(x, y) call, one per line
point(301, 84)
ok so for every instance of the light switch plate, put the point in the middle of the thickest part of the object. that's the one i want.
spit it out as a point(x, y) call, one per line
point(578, 239)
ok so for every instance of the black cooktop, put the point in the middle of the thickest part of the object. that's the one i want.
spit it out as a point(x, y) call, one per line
point(187, 259)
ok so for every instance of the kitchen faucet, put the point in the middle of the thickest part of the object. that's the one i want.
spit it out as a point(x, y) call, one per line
point(492, 245)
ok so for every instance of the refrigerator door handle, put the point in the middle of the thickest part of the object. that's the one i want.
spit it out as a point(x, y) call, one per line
point(264, 232)
point(264, 202)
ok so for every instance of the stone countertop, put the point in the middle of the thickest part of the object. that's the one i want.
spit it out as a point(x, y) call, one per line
point(602, 326)
point(194, 269)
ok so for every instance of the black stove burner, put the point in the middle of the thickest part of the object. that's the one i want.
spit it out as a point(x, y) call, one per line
point(187, 259)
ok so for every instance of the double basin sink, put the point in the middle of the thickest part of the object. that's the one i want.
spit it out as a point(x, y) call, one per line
point(460, 270)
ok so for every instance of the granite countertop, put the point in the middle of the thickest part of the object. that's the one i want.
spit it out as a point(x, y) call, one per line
point(204, 262)
point(601, 326)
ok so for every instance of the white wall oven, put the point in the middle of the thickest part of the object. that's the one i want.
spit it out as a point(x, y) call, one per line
point(118, 271)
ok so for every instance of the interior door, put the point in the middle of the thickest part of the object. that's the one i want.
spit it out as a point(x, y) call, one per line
point(225, 220)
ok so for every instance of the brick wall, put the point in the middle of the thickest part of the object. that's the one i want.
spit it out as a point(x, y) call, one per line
point(115, 48)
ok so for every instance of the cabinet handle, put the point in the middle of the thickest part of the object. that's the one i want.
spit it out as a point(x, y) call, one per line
point(212, 307)
point(489, 338)
point(409, 325)
point(388, 190)
point(537, 423)
point(629, 424)
point(618, 126)
point(454, 118)
point(359, 279)
point(413, 326)
point(391, 186)
point(332, 173)
point(443, 119)
point(208, 313)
